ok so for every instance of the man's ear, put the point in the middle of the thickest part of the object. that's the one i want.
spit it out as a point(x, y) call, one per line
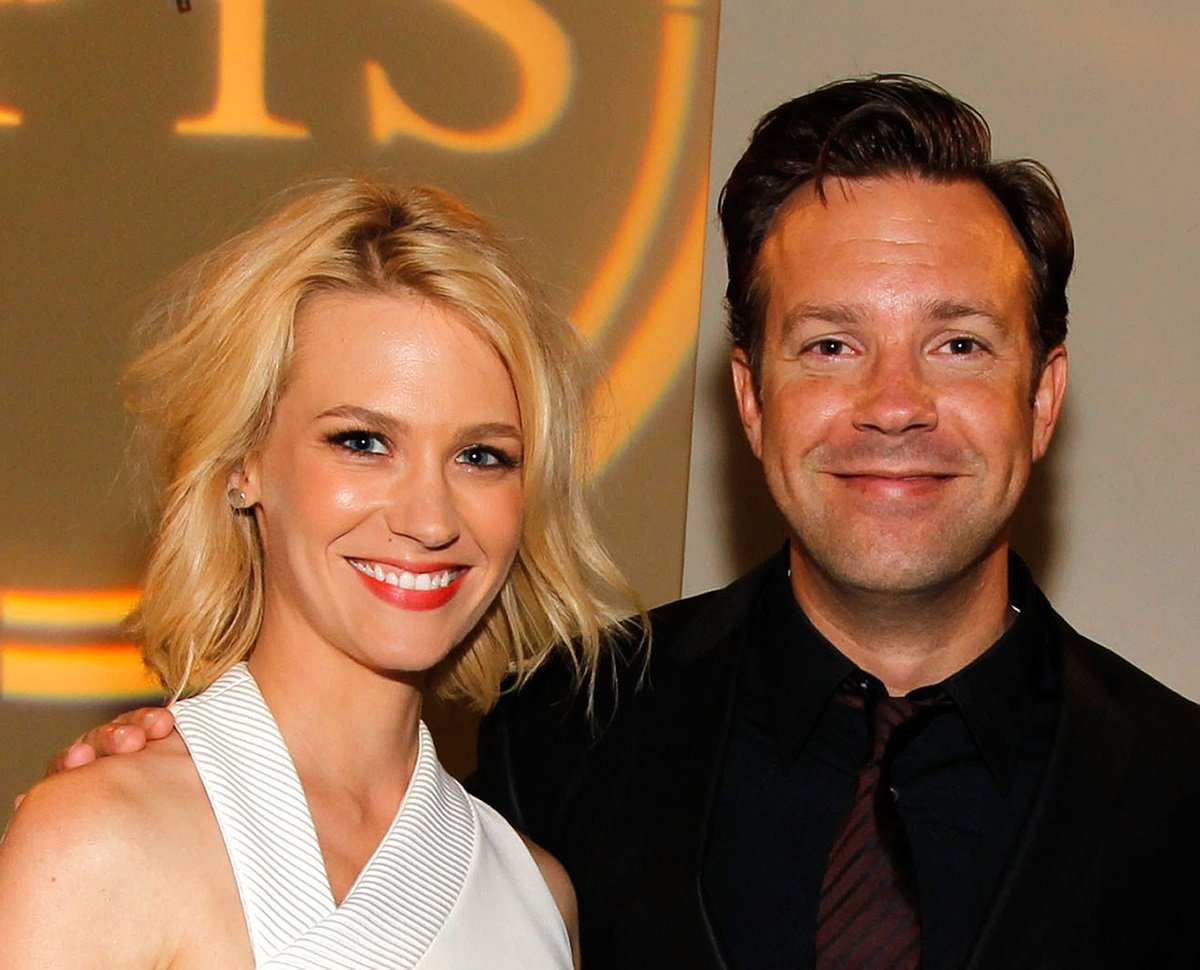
point(748, 402)
point(1048, 399)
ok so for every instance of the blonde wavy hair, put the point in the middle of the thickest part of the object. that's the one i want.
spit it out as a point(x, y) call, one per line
point(206, 389)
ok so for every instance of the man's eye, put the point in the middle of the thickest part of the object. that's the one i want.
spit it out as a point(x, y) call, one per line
point(829, 347)
point(962, 345)
point(364, 442)
point(482, 456)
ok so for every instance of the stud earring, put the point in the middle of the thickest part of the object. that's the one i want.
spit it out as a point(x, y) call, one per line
point(237, 498)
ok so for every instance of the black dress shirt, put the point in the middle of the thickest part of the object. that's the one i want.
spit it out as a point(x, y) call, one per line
point(963, 785)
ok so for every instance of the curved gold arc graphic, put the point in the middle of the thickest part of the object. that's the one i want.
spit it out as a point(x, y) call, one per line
point(48, 610)
point(97, 671)
point(679, 50)
point(664, 337)
point(57, 645)
point(74, 668)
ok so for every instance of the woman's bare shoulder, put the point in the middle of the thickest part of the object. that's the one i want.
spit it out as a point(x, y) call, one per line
point(86, 858)
point(109, 795)
point(100, 806)
point(561, 889)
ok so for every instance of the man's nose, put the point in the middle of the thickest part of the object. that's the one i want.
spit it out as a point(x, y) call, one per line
point(895, 396)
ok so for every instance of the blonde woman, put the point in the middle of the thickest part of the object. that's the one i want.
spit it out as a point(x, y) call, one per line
point(367, 430)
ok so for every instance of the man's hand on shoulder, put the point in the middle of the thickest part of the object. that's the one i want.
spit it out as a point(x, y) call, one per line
point(124, 734)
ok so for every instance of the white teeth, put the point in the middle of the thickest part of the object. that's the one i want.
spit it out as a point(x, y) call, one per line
point(404, 579)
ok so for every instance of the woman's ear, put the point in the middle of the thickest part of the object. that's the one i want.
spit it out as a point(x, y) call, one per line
point(242, 485)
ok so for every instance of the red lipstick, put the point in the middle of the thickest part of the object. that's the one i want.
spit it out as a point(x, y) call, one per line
point(395, 584)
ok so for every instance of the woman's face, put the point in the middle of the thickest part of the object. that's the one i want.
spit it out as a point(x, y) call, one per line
point(388, 490)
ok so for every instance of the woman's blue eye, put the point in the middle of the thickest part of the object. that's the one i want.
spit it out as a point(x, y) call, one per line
point(365, 442)
point(484, 457)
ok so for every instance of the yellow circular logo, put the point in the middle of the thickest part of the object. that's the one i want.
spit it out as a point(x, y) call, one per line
point(583, 124)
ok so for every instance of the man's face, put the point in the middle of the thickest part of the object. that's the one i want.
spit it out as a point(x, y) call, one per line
point(895, 422)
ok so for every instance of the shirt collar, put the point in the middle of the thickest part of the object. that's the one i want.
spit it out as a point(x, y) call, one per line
point(997, 690)
point(994, 693)
point(800, 668)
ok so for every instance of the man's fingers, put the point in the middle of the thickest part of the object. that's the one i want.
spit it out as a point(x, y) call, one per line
point(111, 738)
point(77, 754)
point(124, 734)
point(157, 722)
point(129, 732)
point(74, 756)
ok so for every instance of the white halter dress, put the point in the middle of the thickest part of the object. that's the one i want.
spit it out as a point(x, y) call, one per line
point(450, 887)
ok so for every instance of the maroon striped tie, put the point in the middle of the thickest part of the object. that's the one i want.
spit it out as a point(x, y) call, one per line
point(868, 915)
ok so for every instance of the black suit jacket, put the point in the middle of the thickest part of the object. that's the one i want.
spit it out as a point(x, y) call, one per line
point(1106, 874)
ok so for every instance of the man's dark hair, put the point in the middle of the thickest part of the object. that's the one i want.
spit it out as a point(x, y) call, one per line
point(878, 126)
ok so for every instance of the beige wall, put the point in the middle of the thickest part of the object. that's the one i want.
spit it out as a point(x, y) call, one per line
point(1108, 95)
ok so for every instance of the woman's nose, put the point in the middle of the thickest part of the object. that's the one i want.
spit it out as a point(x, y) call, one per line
point(421, 507)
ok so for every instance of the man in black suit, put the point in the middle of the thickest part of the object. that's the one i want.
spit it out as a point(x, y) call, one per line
point(898, 311)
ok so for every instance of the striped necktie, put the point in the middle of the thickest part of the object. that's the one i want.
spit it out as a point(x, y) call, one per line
point(868, 917)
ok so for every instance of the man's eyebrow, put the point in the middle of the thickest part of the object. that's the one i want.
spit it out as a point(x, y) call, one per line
point(841, 313)
point(848, 313)
point(946, 310)
point(952, 310)
point(833, 312)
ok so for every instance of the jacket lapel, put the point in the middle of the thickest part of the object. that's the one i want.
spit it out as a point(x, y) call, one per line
point(1089, 760)
point(688, 731)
